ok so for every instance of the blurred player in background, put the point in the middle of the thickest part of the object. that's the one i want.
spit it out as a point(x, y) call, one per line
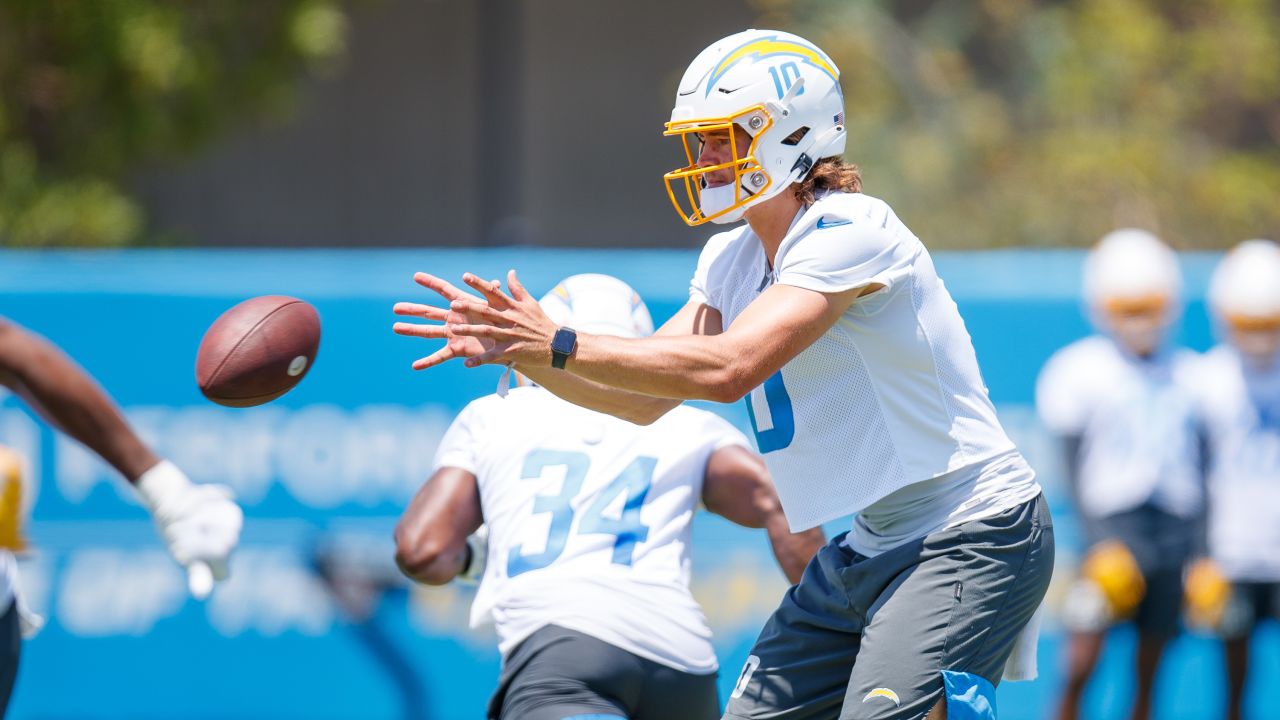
point(1122, 401)
point(200, 524)
point(863, 388)
point(1240, 383)
point(588, 529)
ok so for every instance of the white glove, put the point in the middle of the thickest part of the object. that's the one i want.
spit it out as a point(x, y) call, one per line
point(200, 523)
point(478, 544)
point(29, 621)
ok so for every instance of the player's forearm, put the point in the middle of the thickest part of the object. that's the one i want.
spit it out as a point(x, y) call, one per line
point(737, 488)
point(431, 536)
point(624, 404)
point(684, 367)
point(64, 395)
point(793, 550)
point(427, 549)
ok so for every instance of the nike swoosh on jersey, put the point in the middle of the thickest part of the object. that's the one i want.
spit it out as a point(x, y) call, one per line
point(823, 224)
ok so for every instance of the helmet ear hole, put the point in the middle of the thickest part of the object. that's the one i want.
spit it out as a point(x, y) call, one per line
point(795, 137)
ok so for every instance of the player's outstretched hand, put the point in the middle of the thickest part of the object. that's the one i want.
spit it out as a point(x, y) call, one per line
point(200, 524)
point(456, 347)
point(514, 326)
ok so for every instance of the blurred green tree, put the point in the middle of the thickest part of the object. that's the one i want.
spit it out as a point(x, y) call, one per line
point(90, 89)
point(991, 123)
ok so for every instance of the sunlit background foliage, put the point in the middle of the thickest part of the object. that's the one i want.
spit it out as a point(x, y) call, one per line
point(989, 123)
point(90, 90)
point(1002, 122)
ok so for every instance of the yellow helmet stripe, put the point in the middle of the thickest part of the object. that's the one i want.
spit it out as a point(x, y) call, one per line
point(767, 47)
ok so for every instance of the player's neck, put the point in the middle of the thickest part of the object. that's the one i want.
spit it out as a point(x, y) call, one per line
point(771, 219)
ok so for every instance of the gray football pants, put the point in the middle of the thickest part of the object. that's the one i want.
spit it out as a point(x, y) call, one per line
point(886, 637)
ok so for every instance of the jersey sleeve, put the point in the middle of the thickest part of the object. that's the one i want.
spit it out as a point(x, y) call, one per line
point(844, 256)
point(713, 266)
point(1059, 402)
point(698, 284)
point(460, 445)
point(718, 433)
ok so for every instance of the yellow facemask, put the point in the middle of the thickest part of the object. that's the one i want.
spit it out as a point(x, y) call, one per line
point(690, 196)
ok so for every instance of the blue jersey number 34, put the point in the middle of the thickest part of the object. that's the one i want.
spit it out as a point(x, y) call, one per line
point(627, 530)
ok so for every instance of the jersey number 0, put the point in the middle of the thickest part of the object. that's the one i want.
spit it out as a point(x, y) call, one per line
point(769, 406)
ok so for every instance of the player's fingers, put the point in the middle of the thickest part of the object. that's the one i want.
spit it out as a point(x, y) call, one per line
point(493, 356)
point(430, 332)
point(199, 579)
point(444, 354)
point(477, 311)
point(439, 285)
point(517, 288)
point(491, 289)
point(428, 312)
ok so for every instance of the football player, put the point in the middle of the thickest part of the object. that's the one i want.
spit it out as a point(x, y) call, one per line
point(585, 559)
point(1122, 402)
point(826, 313)
point(200, 524)
point(1240, 380)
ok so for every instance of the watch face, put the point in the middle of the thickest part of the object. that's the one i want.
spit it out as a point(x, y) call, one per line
point(564, 340)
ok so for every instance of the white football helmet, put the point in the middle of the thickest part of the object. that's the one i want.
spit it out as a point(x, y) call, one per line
point(1244, 296)
point(1133, 287)
point(598, 304)
point(779, 89)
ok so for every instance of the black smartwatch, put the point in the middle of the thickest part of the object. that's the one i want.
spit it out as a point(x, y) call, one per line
point(562, 346)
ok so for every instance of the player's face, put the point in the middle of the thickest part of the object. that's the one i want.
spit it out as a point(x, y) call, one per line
point(1256, 338)
point(717, 147)
point(1138, 324)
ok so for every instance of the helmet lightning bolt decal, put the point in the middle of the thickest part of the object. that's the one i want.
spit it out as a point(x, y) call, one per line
point(768, 47)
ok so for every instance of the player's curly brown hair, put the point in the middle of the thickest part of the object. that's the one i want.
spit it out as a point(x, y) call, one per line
point(829, 173)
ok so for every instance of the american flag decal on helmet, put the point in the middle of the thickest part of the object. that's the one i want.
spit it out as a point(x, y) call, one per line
point(838, 118)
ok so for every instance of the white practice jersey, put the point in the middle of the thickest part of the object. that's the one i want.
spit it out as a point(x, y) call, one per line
point(1136, 420)
point(1242, 413)
point(589, 521)
point(890, 395)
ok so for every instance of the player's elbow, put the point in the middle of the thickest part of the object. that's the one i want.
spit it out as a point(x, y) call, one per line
point(424, 559)
point(730, 384)
point(641, 416)
point(648, 413)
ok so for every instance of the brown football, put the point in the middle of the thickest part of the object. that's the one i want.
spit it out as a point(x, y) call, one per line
point(258, 350)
